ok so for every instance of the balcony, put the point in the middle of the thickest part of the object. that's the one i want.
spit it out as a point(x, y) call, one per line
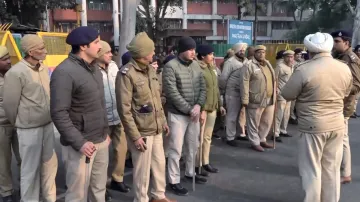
point(199, 8)
point(93, 15)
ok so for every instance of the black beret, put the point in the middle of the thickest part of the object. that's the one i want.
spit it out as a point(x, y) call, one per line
point(356, 49)
point(82, 36)
point(341, 33)
point(125, 58)
point(279, 54)
point(204, 50)
point(298, 50)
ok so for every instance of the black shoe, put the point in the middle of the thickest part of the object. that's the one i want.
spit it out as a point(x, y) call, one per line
point(198, 179)
point(128, 163)
point(293, 121)
point(203, 172)
point(285, 135)
point(216, 136)
point(108, 196)
point(210, 169)
point(232, 143)
point(119, 186)
point(178, 189)
point(242, 138)
point(354, 116)
point(7, 198)
point(277, 139)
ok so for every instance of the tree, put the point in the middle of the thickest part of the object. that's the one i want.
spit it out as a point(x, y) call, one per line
point(328, 16)
point(152, 20)
point(30, 11)
point(356, 29)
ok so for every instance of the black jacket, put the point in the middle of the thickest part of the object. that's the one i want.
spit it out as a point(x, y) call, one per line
point(77, 103)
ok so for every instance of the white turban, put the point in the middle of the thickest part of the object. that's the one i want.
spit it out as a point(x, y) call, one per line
point(239, 46)
point(319, 42)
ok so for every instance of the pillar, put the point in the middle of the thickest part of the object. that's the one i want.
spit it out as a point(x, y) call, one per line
point(184, 8)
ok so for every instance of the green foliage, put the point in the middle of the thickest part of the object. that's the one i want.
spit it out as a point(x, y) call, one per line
point(328, 17)
point(29, 11)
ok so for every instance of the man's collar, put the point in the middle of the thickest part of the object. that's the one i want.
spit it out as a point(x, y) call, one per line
point(37, 67)
point(186, 63)
point(319, 55)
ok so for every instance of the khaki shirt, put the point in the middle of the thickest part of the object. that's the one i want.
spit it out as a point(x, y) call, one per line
point(3, 120)
point(138, 100)
point(253, 85)
point(27, 95)
point(283, 73)
point(319, 86)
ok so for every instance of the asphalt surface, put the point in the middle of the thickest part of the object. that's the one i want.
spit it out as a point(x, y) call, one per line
point(246, 175)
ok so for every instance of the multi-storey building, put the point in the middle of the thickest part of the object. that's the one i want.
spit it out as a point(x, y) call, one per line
point(203, 19)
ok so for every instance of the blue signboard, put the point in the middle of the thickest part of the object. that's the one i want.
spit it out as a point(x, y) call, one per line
point(240, 32)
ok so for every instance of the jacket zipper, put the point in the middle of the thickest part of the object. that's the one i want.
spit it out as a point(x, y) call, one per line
point(112, 101)
point(265, 83)
point(213, 86)
point(155, 114)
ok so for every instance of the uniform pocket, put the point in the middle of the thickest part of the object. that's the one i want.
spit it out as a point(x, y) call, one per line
point(145, 121)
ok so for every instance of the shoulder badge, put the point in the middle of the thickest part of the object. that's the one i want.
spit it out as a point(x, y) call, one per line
point(353, 57)
point(124, 69)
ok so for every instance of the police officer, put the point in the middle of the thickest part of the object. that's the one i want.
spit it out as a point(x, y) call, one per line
point(283, 72)
point(343, 51)
point(142, 115)
point(257, 90)
point(321, 119)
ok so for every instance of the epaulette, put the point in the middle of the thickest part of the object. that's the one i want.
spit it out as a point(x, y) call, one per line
point(353, 57)
point(124, 69)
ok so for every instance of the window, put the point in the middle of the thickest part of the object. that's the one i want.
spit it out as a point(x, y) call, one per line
point(99, 5)
point(282, 25)
point(227, 1)
point(200, 1)
point(101, 26)
point(262, 28)
point(173, 24)
point(200, 21)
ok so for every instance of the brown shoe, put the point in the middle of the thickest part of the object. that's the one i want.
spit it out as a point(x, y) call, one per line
point(266, 145)
point(162, 200)
point(346, 180)
point(257, 148)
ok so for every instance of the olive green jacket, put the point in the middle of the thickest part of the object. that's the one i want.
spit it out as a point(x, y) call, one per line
point(213, 101)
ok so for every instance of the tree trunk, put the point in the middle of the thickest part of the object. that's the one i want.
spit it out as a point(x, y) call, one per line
point(128, 23)
point(356, 29)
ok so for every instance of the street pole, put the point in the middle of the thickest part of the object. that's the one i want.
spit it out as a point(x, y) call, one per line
point(83, 13)
point(223, 28)
point(116, 24)
point(256, 22)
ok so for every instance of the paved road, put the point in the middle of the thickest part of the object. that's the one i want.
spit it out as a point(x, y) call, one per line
point(248, 176)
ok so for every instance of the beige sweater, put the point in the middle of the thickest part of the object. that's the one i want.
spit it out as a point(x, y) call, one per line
point(26, 95)
point(319, 86)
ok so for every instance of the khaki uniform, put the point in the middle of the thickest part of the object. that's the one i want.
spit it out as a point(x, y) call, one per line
point(27, 106)
point(142, 115)
point(282, 73)
point(353, 62)
point(230, 87)
point(257, 90)
point(292, 107)
point(319, 104)
point(8, 141)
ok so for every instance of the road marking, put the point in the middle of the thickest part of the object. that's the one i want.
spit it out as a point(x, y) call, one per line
point(61, 196)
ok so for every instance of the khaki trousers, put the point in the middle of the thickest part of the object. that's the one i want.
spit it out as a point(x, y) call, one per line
point(282, 117)
point(346, 160)
point(39, 163)
point(119, 144)
point(8, 141)
point(152, 160)
point(182, 128)
point(292, 110)
point(319, 165)
point(235, 117)
point(206, 142)
point(76, 174)
point(259, 121)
